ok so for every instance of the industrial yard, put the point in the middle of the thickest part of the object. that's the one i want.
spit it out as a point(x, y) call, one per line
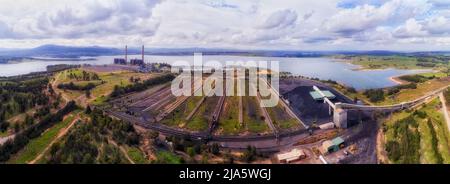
point(227, 115)
point(312, 111)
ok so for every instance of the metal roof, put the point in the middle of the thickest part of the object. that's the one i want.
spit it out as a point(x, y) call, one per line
point(292, 155)
point(337, 141)
point(317, 96)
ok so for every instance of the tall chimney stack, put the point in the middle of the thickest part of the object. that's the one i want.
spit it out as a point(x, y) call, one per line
point(142, 53)
point(126, 53)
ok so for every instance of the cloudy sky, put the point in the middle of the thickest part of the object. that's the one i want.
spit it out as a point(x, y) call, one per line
point(236, 24)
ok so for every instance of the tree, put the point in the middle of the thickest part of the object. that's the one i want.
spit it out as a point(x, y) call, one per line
point(28, 120)
point(215, 149)
point(250, 154)
point(190, 151)
point(228, 158)
point(16, 127)
point(88, 110)
point(50, 89)
point(198, 148)
point(88, 93)
point(374, 95)
point(153, 134)
point(205, 158)
point(4, 126)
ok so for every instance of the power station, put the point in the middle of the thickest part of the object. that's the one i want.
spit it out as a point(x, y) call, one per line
point(135, 61)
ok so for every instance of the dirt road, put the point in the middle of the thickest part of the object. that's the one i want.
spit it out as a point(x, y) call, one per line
point(60, 135)
point(445, 111)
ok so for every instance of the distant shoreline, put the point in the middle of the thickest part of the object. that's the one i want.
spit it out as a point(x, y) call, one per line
point(397, 80)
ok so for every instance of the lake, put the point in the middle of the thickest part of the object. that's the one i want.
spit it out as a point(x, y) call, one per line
point(323, 68)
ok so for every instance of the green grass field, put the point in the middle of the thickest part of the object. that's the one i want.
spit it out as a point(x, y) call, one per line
point(428, 124)
point(434, 74)
point(384, 62)
point(253, 116)
point(178, 117)
point(37, 146)
point(200, 120)
point(412, 94)
point(3, 134)
point(104, 86)
point(281, 118)
point(229, 120)
point(166, 157)
point(136, 155)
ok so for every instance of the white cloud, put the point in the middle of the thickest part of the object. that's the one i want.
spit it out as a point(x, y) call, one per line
point(280, 19)
point(438, 25)
point(77, 19)
point(282, 24)
point(412, 28)
point(365, 17)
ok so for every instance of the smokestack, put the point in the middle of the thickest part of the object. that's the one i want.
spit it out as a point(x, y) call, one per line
point(126, 53)
point(142, 53)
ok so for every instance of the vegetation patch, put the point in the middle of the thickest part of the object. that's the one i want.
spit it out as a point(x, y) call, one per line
point(416, 78)
point(22, 139)
point(418, 137)
point(165, 157)
point(229, 120)
point(253, 117)
point(137, 156)
point(96, 141)
point(37, 146)
point(141, 86)
point(374, 95)
point(281, 118)
point(200, 120)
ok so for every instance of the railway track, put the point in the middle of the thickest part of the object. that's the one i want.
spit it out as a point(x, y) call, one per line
point(216, 115)
point(241, 112)
point(285, 105)
point(178, 102)
point(153, 99)
point(197, 106)
point(268, 119)
point(169, 109)
point(266, 115)
point(168, 131)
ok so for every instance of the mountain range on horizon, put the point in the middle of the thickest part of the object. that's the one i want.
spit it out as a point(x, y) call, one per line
point(60, 51)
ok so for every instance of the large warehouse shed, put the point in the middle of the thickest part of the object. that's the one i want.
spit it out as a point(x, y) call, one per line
point(318, 97)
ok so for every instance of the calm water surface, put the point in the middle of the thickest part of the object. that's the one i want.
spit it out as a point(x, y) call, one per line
point(323, 68)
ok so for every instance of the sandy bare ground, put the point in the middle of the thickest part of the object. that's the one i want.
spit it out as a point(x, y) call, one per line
point(4, 139)
point(110, 68)
point(61, 134)
point(381, 152)
point(445, 110)
point(397, 80)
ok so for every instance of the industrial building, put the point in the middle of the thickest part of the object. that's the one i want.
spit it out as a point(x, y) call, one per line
point(139, 62)
point(136, 62)
point(146, 68)
point(327, 126)
point(330, 146)
point(292, 156)
point(120, 61)
point(319, 97)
